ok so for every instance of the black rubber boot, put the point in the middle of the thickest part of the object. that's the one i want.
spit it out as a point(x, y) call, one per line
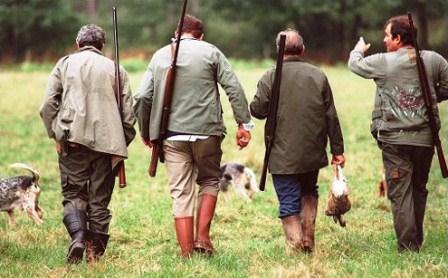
point(75, 223)
point(96, 245)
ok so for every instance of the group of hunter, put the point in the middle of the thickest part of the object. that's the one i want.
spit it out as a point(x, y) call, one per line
point(81, 114)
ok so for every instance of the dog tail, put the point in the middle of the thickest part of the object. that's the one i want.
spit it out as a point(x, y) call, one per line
point(382, 188)
point(27, 167)
point(253, 182)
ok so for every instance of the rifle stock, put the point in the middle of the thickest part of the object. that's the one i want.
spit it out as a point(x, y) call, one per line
point(152, 170)
point(121, 169)
point(441, 158)
point(157, 148)
point(271, 121)
point(264, 170)
point(423, 78)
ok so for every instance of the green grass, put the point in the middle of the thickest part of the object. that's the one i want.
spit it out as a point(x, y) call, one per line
point(248, 236)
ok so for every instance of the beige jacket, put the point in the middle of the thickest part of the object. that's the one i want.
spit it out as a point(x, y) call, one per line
point(80, 101)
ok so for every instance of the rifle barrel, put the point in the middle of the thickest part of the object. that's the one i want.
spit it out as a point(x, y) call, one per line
point(427, 97)
point(157, 151)
point(271, 121)
point(121, 168)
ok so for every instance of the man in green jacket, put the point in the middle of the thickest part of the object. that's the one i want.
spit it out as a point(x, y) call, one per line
point(80, 113)
point(306, 119)
point(400, 124)
point(196, 128)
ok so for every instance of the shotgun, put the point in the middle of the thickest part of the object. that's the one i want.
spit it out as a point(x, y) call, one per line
point(157, 151)
point(423, 78)
point(121, 170)
point(271, 121)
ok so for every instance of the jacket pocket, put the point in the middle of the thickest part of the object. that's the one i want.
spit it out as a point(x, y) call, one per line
point(67, 114)
point(62, 123)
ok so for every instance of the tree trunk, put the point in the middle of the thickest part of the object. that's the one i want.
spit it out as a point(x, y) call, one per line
point(342, 48)
point(91, 8)
point(422, 24)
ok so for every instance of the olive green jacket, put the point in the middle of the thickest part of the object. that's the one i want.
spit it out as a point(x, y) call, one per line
point(399, 104)
point(196, 106)
point(306, 118)
point(80, 99)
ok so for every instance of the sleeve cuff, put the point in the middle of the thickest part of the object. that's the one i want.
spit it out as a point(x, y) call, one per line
point(248, 126)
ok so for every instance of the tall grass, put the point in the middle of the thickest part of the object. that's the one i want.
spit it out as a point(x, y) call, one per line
point(248, 236)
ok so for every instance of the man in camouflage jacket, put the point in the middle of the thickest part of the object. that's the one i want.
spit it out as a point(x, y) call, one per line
point(400, 122)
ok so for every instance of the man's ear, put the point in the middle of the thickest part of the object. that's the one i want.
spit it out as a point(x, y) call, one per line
point(303, 50)
point(397, 40)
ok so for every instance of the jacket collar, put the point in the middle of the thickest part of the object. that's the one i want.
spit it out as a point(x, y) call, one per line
point(91, 48)
point(293, 59)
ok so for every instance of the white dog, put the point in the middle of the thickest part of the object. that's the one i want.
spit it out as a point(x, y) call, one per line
point(241, 178)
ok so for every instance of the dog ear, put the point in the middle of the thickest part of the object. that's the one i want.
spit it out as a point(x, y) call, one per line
point(239, 168)
point(26, 182)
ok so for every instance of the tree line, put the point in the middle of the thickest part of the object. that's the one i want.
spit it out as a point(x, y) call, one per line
point(43, 29)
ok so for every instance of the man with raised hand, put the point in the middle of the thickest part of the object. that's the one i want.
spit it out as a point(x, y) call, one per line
point(400, 122)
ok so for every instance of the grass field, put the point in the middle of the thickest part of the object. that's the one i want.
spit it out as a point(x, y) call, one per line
point(248, 236)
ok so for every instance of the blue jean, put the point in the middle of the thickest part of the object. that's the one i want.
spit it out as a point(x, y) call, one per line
point(291, 188)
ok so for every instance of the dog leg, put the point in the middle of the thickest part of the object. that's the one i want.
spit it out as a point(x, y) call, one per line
point(11, 219)
point(40, 212)
point(241, 191)
point(252, 180)
point(34, 216)
point(239, 185)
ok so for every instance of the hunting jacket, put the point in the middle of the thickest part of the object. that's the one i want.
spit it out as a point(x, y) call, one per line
point(80, 99)
point(400, 114)
point(306, 118)
point(196, 106)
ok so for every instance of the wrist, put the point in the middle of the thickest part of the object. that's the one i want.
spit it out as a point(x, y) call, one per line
point(246, 126)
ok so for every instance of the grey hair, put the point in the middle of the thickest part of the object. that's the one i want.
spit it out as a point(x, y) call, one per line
point(293, 43)
point(91, 34)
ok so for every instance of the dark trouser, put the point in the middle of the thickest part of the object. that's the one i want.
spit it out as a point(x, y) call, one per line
point(291, 188)
point(87, 184)
point(407, 169)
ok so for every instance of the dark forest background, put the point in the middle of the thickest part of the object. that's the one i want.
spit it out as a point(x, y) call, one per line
point(40, 30)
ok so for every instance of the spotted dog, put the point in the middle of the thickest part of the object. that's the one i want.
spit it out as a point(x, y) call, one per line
point(21, 192)
point(241, 178)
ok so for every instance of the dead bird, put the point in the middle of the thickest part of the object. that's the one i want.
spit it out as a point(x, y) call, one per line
point(338, 203)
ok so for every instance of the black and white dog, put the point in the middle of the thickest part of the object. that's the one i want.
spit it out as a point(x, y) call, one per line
point(241, 178)
point(21, 192)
